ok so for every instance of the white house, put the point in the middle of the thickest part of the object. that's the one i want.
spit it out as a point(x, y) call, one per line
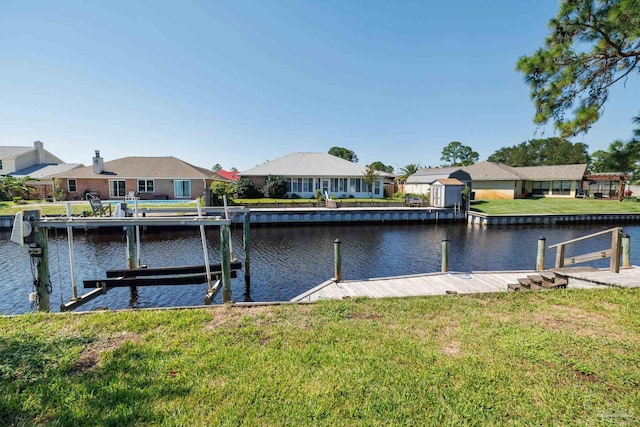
point(307, 172)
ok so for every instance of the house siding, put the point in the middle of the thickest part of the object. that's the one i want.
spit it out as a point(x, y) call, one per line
point(494, 189)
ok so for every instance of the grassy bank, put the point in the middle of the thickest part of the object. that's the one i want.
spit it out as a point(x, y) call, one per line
point(555, 206)
point(548, 358)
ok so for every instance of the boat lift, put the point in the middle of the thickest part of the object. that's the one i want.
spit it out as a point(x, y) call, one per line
point(30, 228)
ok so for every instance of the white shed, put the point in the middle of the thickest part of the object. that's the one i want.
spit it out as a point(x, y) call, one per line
point(446, 193)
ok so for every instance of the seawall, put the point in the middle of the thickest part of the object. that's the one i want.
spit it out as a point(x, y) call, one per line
point(482, 219)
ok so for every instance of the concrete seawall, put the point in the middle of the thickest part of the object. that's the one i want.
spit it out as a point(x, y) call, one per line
point(549, 219)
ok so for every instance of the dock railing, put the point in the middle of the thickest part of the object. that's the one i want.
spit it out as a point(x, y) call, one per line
point(613, 252)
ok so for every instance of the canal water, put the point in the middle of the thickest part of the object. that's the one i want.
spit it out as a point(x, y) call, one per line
point(286, 260)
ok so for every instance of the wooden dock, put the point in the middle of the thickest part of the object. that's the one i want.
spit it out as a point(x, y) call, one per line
point(459, 283)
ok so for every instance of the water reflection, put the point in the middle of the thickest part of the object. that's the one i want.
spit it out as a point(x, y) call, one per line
point(286, 261)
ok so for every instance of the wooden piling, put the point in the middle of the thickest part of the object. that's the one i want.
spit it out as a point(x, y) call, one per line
point(445, 255)
point(246, 242)
point(132, 257)
point(540, 256)
point(626, 251)
point(42, 267)
point(614, 265)
point(225, 260)
point(337, 260)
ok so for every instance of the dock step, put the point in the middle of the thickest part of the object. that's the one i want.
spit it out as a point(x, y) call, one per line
point(542, 280)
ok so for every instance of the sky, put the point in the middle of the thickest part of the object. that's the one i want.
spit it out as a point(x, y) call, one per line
point(241, 82)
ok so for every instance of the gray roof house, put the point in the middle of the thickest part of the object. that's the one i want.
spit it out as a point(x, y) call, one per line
point(13, 158)
point(34, 162)
point(307, 172)
point(421, 181)
point(498, 181)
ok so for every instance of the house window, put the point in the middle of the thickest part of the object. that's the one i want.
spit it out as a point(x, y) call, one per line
point(116, 188)
point(376, 187)
point(73, 186)
point(182, 188)
point(307, 185)
point(295, 185)
point(146, 186)
point(541, 187)
point(561, 187)
point(356, 185)
point(0, 164)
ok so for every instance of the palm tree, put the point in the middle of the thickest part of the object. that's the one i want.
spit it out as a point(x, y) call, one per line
point(15, 187)
point(408, 170)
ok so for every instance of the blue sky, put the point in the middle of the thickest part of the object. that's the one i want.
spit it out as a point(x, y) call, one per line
point(242, 82)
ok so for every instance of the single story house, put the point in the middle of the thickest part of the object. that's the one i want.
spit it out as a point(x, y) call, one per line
point(307, 172)
point(144, 177)
point(498, 181)
point(420, 182)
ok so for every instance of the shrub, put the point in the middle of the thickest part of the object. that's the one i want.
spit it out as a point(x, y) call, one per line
point(245, 189)
point(275, 187)
point(295, 196)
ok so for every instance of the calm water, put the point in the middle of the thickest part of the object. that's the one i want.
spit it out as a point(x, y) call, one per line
point(286, 261)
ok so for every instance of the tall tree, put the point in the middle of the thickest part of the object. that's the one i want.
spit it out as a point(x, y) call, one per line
point(408, 170)
point(456, 154)
point(593, 44)
point(542, 152)
point(379, 166)
point(217, 167)
point(620, 157)
point(344, 153)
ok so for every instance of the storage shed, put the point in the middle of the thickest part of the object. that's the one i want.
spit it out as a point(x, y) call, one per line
point(446, 193)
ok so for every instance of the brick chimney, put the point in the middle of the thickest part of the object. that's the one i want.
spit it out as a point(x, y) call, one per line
point(98, 163)
point(39, 146)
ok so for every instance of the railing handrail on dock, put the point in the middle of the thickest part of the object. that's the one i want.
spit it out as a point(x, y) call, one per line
point(613, 252)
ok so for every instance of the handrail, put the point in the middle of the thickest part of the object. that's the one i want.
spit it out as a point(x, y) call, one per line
point(586, 237)
point(613, 252)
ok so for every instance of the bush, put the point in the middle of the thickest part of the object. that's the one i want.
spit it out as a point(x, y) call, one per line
point(245, 189)
point(275, 187)
point(295, 196)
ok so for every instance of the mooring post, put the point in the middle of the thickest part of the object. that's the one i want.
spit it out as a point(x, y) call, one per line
point(445, 255)
point(337, 260)
point(74, 286)
point(225, 259)
point(614, 264)
point(246, 242)
point(42, 267)
point(132, 257)
point(626, 251)
point(540, 257)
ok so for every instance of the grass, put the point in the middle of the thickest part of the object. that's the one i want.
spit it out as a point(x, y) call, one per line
point(307, 201)
point(52, 209)
point(555, 206)
point(547, 358)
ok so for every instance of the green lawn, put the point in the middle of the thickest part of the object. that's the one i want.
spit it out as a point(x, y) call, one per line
point(555, 206)
point(10, 208)
point(545, 358)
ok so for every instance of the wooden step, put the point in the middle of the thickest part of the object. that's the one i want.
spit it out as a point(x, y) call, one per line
point(514, 287)
point(536, 278)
